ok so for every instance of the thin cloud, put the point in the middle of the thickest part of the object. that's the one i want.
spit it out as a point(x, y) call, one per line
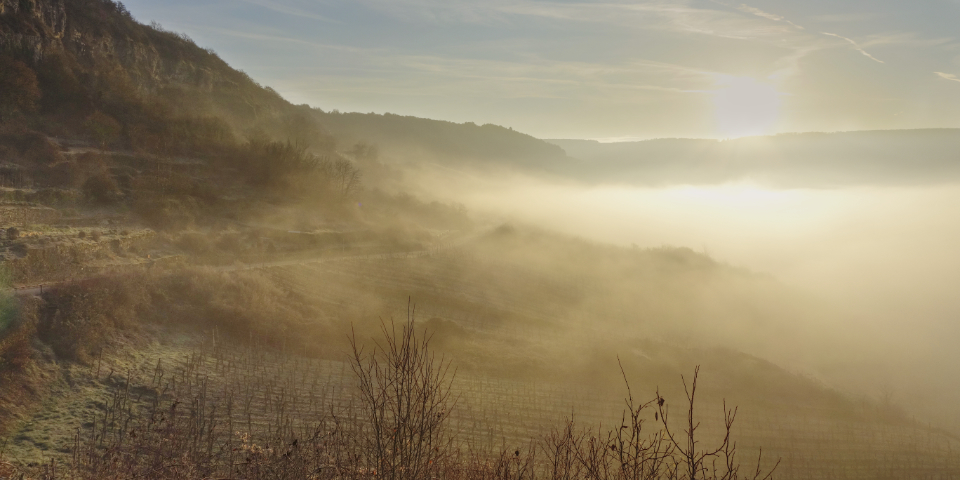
point(905, 40)
point(948, 76)
point(289, 10)
point(855, 46)
point(282, 39)
point(848, 17)
point(759, 13)
point(665, 16)
point(769, 16)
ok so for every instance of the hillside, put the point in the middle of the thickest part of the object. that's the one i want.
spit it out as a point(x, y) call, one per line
point(92, 55)
point(461, 144)
point(901, 157)
point(195, 273)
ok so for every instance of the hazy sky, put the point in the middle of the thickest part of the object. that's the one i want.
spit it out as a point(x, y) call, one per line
point(606, 70)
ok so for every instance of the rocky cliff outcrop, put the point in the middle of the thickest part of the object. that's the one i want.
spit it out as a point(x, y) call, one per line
point(50, 13)
point(101, 35)
point(32, 25)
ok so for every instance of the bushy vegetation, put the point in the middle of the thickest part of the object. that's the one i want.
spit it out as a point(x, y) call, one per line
point(78, 319)
point(155, 115)
point(19, 90)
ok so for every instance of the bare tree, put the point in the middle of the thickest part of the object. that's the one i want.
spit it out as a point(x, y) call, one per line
point(405, 393)
point(346, 177)
point(695, 463)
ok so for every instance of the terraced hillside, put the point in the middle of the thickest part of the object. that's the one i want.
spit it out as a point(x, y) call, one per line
point(527, 354)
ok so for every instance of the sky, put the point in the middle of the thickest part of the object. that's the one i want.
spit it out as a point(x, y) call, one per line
point(609, 70)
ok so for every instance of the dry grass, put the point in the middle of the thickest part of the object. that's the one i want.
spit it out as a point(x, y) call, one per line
point(254, 412)
point(269, 407)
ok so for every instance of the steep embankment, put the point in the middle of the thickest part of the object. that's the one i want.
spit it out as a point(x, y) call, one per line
point(102, 35)
point(92, 55)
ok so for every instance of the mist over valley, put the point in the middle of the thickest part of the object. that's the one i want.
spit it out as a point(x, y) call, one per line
point(203, 279)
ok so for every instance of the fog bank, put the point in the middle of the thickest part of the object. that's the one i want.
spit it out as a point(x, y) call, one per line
point(883, 257)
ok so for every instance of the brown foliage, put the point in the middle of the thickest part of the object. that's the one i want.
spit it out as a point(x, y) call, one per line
point(101, 189)
point(19, 90)
point(79, 318)
point(62, 90)
point(103, 128)
point(15, 347)
point(167, 212)
point(31, 147)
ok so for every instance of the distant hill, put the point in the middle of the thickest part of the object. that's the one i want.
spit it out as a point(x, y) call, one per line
point(446, 141)
point(789, 160)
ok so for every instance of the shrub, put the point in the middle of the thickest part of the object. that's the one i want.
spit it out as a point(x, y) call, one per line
point(79, 318)
point(103, 128)
point(16, 350)
point(13, 233)
point(195, 243)
point(19, 90)
point(269, 164)
point(101, 189)
point(230, 242)
point(166, 213)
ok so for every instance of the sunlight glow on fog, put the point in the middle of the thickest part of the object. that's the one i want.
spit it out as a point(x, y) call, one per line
point(745, 107)
point(889, 249)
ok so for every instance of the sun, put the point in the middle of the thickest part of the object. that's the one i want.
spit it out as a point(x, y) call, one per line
point(745, 107)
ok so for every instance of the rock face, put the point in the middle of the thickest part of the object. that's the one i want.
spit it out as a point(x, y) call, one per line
point(37, 25)
point(101, 36)
point(50, 13)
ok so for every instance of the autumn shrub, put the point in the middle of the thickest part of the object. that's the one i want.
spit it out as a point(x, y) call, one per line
point(103, 129)
point(19, 90)
point(101, 189)
point(65, 174)
point(230, 243)
point(7, 302)
point(167, 213)
point(242, 304)
point(16, 349)
point(60, 85)
point(195, 243)
point(31, 147)
point(79, 318)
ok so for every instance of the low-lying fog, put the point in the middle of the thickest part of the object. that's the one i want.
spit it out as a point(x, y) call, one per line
point(889, 247)
point(886, 257)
